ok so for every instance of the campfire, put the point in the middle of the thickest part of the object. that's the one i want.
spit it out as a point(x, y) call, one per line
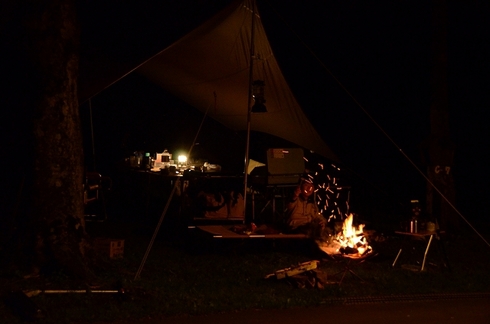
point(350, 242)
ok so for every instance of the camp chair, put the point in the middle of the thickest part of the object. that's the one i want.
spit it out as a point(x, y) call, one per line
point(93, 196)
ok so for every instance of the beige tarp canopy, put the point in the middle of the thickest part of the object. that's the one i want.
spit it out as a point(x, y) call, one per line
point(209, 68)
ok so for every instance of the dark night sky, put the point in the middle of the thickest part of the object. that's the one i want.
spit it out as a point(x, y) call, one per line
point(380, 52)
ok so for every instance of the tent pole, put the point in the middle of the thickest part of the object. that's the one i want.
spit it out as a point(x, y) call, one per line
point(92, 132)
point(155, 232)
point(177, 183)
point(249, 113)
point(200, 126)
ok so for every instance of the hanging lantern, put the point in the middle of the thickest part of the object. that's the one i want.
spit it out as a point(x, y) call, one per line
point(258, 95)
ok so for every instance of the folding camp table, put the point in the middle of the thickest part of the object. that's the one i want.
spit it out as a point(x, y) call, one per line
point(427, 237)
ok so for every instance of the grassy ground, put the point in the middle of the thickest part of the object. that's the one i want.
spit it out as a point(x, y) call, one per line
point(190, 273)
point(187, 273)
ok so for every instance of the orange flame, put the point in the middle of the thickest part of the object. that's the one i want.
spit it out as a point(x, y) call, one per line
point(350, 237)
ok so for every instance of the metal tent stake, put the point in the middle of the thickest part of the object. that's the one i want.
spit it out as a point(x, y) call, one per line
point(31, 293)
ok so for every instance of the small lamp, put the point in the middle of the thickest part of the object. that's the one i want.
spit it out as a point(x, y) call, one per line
point(258, 95)
point(182, 159)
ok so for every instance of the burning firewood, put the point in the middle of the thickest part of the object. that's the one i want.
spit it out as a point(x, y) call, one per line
point(349, 242)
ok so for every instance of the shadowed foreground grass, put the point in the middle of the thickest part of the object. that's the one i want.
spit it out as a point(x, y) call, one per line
point(196, 275)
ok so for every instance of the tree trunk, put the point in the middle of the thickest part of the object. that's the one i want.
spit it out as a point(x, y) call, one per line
point(57, 197)
point(439, 145)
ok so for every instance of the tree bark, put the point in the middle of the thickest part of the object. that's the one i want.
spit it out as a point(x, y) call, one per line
point(439, 145)
point(57, 192)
